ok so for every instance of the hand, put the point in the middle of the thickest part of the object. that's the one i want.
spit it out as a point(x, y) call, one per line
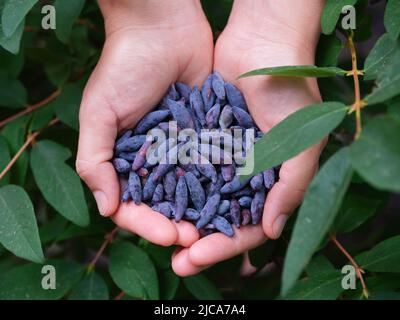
point(149, 45)
point(260, 34)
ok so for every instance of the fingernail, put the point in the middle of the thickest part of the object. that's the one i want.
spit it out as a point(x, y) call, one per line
point(279, 224)
point(102, 202)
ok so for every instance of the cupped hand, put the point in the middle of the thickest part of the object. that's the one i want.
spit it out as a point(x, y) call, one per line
point(147, 48)
point(246, 45)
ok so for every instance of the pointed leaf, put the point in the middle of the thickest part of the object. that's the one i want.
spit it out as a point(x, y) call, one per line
point(331, 14)
point(12, 92)
point(67, 105)
point(14, 12)
point(70, 11)
point(391, 18)
point(169, 283)
point(91, 287)
point(201, 288)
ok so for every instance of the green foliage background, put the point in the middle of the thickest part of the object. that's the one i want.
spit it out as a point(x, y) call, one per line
point(48, 217)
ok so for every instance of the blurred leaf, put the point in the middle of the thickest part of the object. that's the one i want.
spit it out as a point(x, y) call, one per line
point(52, 229)
point(391, 18)
point(12, 92)
point(317, 212)
point(376, 154)
point(354, 212)
point(297, 71)
point(161, 256)
point(379, 57)
point(58, 73)
point(18, 229)
point(319, 265)
point(329, 48)
point(394, 107)
point(169, 283)
point(91, 287)
point(331, 13)
point(384, 257)
point(294, 134)
point(12, 43)
point(74, 231)
point(4, 160)
point(375, 284)
point(69, 12)
point(41, 117)
point(11, 64)
point(133, 271)
point(14, 12)
point(25, 282)
point(59, 184)
point(66, 105)
point(201, 288)
point(262, 254)
point(325, 286)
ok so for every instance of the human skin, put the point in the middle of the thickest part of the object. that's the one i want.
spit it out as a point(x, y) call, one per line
point(265, 33)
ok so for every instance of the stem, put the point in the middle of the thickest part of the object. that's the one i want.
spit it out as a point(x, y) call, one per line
point(31, 108)
point(359, 270)
point(120, 295)
point(108, 238)
point(28, 141)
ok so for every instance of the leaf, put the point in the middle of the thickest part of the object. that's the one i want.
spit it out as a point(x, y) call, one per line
point(379, 57)
point(161, 256)
point(91, 287)
point(59, 184)
point(12, 92)
point(4, 160)
point(25, 282)
point(42, 117)
point(262, 254)
point(384, 257)
point(319, 265)
point(329, 48)
point(169, 284)
point(201, 288)
point(294, 134)
point(18, 229)
point(331, 14)
point(11, 64)
point(58, 73)
point(321, 203)
point(391, 18)
point(52, 229)
point(67, 104)
point(133, 271)
point(70, 12)
point(376, 154)
point(12, 43)
point(297, 71)
point(14, 12)
point(326, 286)
point(394, 107)
point(354, 212)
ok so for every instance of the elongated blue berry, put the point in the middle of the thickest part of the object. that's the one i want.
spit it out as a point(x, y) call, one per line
point(222, 225)
point(191, 214)
point(235, 212)
point(150, 120)
point(181, 198)
point(196, 191)
point(243, 118)
point(131, 144)
point(256, 182)
point(257, 206)
point(269, 178)
point(135, 187)
point(121, 165)
point(208, 211)
point(234, 96)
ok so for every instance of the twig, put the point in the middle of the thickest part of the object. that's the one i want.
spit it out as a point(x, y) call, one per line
point(120, 295)
point(108, 238)
point(359, 270)
point(28, 141)
point(31, 108)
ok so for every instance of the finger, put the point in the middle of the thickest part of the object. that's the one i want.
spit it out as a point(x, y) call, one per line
point(294, 178)
point(187, 233)
point(98, 130)
point(182, 265)
point(145, 222)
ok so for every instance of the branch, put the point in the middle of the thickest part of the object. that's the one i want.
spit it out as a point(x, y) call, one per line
point(120, 295)
point(359, 270)
point(31, 108)
point(108, 238)
point(28, 141)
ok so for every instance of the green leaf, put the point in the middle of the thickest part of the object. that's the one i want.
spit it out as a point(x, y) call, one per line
point(5, 158)
point(14, 13)
point(11, 64)
point(25, 282)
point(67, 104)
point(319, 265)
point(41, 117)
point(376, 154)
point(12, 92)
point(58, 73)
point(12, 43)
point(201, 288)
point(326, 286)
point(329, 48)
point(91, 287)
point(133, 271)
point(394, 107)
point(52, 229)
point(354, 212)
point(321, 203)
point(69, 12)
point(379, 57)
point(169, 283)
point(18, 229)
point(384, 257)
point(161, 256)
point(391, 18)
point(297, 71)
point(294, 134)
point(59, 184)
point(331, 14)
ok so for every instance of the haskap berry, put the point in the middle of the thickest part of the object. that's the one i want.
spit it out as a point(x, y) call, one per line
point(206, 190)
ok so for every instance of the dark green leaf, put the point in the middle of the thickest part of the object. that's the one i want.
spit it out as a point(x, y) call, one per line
point(91, 287)
point(331, 14)
point(261, 255)
point(321, 203)
point(12, 92)
point(59, 184)
point(169, 283)
point(319, 265)
point(161, 256)
point(67, 104)
point(69, 12)
point(297, 71)
point(294, 134)
point(14, 13)
point(384, 257)
point(329, 48)
point(25, 282)
point(394, 107)
point(52, 229)
point(201, 288)
point(391, 18)
point(12, 43)
point(11, 64)
point(42, 117)
point(58, 73)
point(376, 154)
point(4, 160)
point(133, 271)
point(18, 229)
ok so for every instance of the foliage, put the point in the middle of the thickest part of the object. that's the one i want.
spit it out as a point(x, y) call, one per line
point(348, 212)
